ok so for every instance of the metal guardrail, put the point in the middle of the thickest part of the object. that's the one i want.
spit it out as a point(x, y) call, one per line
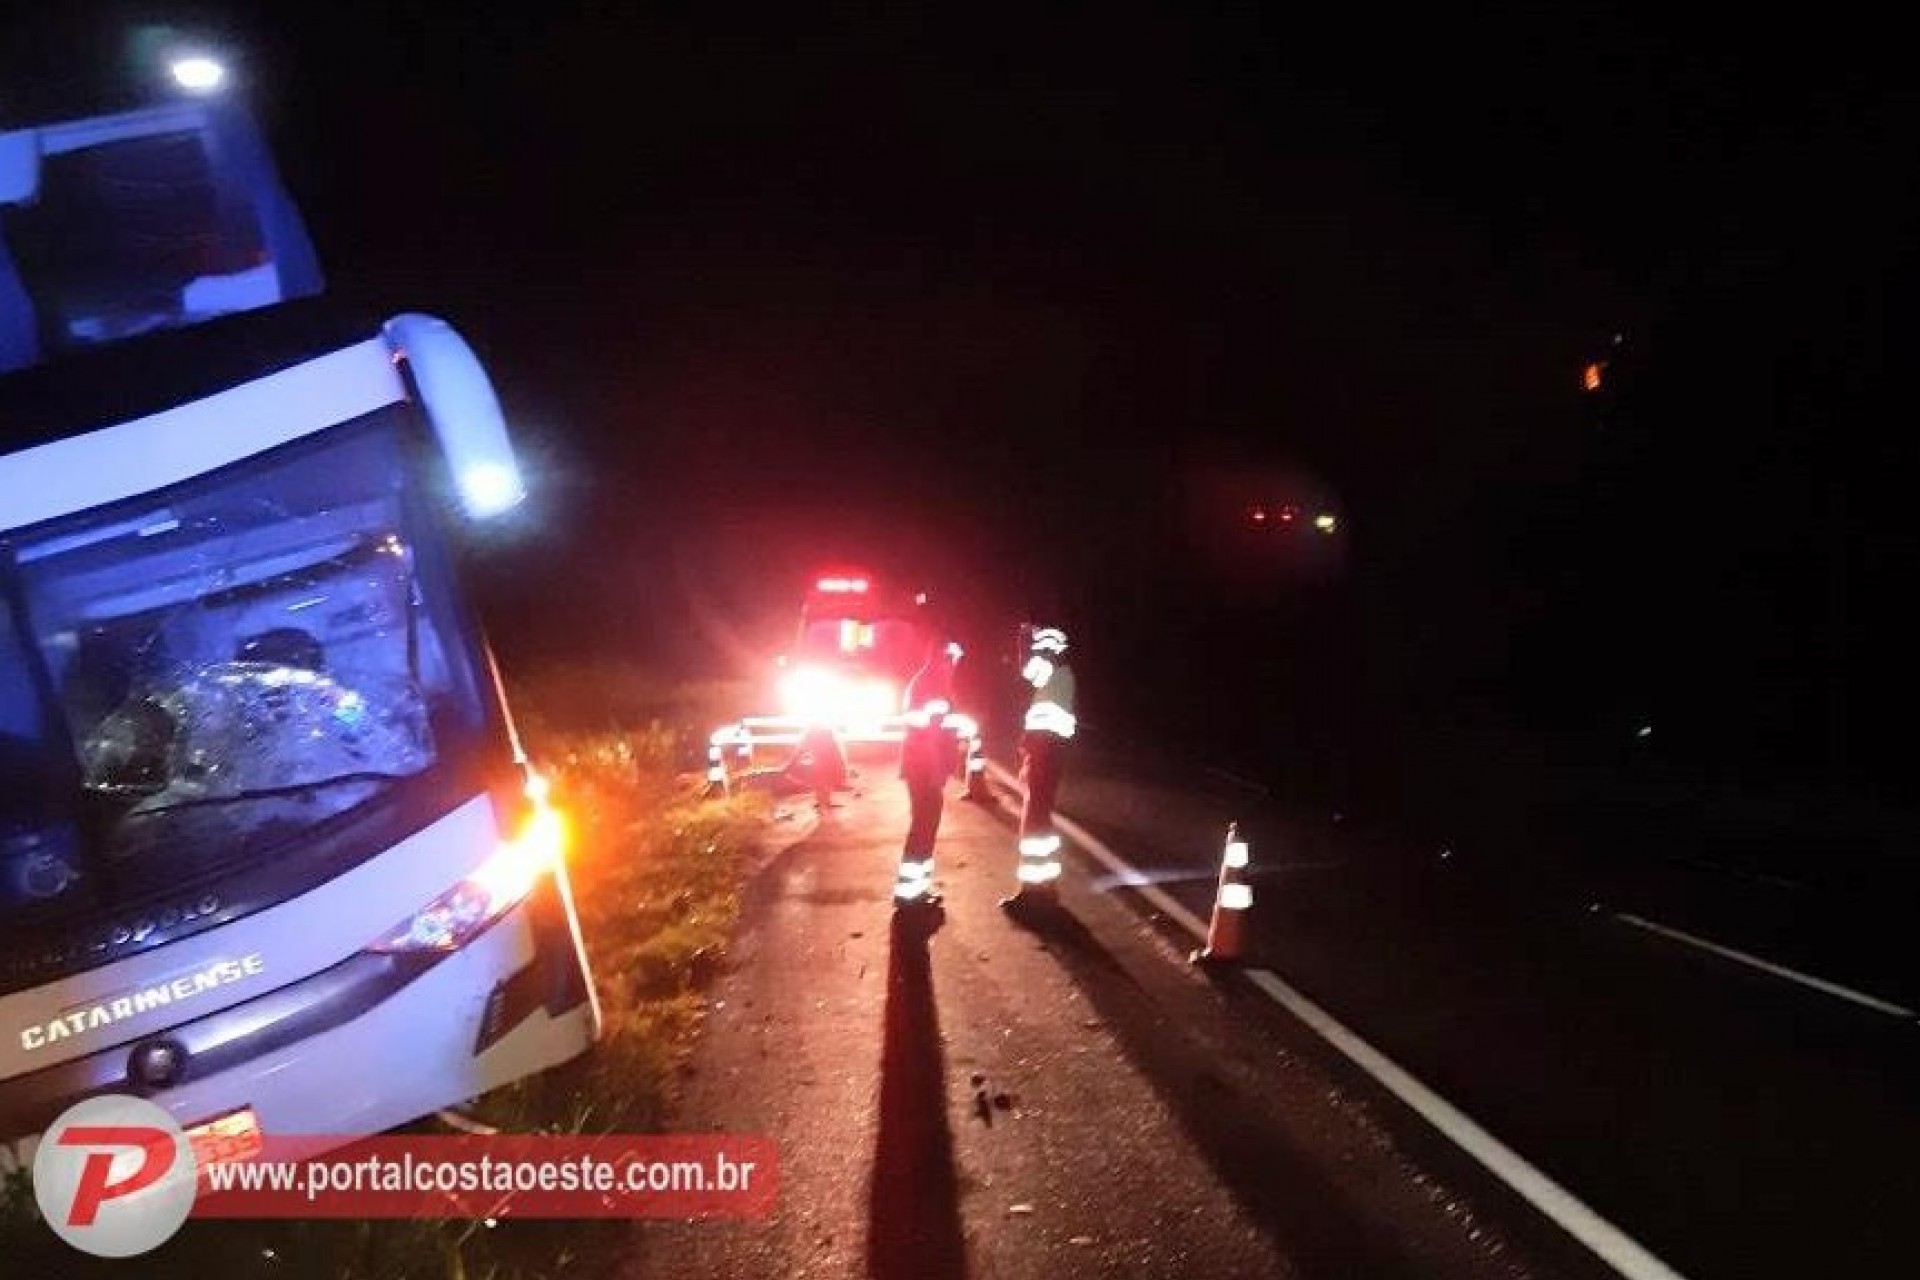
point(733, 749)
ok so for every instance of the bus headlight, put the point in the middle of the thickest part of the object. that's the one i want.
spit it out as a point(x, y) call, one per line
point(491, 890)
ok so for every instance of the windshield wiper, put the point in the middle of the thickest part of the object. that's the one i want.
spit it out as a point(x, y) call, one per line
point(270, 793)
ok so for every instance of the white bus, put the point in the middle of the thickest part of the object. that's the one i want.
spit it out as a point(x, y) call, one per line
point(270, 853)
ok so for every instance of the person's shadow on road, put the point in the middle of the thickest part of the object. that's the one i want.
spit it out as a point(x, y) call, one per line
point(913, 1214)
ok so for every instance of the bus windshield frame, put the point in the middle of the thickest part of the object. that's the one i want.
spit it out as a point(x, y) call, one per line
point(233, 673)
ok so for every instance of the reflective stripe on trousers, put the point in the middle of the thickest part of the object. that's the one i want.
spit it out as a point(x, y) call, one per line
point(1039, 858)
point(914, 880)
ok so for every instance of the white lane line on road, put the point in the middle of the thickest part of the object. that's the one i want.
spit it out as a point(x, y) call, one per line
point(1234, 779)
point(1740, 873)
point(1115, 863)
point(1612, 1245)
point(1137, 879)
point(1767, 966)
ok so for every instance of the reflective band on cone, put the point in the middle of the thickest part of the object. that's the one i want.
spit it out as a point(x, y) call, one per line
point(1226, 932)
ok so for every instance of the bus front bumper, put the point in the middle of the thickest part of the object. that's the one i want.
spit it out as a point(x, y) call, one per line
point(374, 1042)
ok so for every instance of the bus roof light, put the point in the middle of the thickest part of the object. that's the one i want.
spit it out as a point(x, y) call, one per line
point(489, 488)
point(197, 73)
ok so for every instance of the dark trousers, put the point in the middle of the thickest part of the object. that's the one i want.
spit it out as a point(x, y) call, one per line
point(1041, 757)
point(926, 796)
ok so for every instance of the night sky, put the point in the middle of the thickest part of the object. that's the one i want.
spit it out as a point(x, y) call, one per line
point(1013, 301)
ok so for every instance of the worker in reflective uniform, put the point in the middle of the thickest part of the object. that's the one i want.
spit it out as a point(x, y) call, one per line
point(819, 765)
point(1049, 725)
point(929, 755)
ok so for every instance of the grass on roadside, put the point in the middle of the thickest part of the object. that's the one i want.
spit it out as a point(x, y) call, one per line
point(655, 870)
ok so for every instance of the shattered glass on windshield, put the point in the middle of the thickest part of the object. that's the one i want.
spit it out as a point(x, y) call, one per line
point(233, 664)
point(296, 745)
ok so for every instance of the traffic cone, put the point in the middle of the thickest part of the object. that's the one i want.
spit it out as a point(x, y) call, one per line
point(1227, 931)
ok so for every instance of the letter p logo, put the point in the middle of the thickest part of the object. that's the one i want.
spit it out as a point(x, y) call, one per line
point(96, 1176)
point(114, 1176)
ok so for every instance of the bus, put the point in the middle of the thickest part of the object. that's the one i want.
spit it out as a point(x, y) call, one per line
point(271, 854)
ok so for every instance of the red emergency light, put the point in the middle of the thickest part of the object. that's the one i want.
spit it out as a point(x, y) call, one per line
point(841, 586)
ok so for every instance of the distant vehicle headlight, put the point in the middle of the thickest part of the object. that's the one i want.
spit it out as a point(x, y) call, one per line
point(812, 693)
point(872, 701)
point(824, 696)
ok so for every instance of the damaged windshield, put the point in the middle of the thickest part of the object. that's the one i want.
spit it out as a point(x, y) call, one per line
point(208, 673)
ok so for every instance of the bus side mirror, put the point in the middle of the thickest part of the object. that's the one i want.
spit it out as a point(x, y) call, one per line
point(19, 166)
point(458, 399)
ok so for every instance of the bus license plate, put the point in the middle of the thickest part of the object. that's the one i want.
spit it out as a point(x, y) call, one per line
point(227, 1139)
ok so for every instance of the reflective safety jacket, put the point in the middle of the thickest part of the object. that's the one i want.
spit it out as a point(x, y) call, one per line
point(1051, 710)
point(930, 751)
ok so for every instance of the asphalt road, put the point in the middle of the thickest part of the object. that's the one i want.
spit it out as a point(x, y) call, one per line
point(977, 1097)
point(1720, 1062)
